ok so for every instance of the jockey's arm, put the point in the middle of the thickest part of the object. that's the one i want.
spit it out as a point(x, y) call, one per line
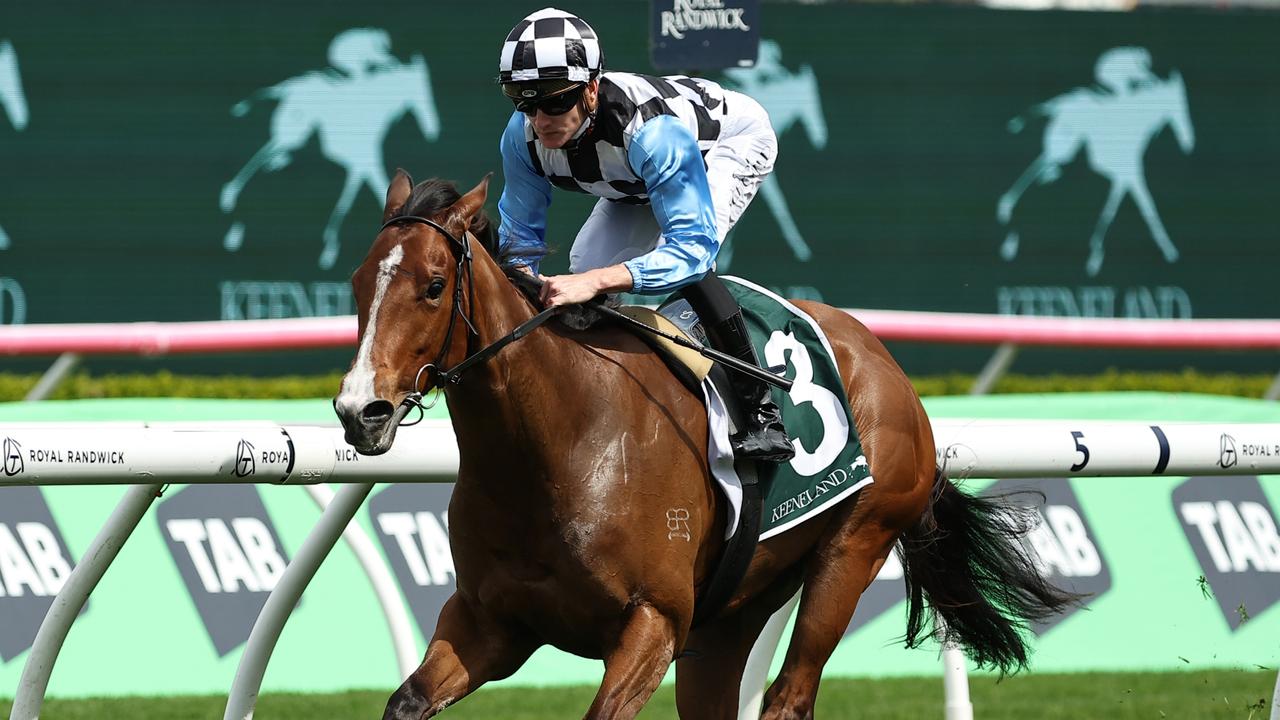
point(665, 155)
point(526, 195)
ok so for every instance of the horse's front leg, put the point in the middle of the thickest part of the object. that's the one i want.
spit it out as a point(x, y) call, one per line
point(634, 668)
point(468, 650)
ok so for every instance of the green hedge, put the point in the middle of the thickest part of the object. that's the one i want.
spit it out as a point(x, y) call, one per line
point(165, 384)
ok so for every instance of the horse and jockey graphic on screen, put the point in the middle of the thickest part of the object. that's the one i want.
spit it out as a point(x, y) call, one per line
point(349, 107)
point(789, 97)
point(12, 100)
point(1113, 124)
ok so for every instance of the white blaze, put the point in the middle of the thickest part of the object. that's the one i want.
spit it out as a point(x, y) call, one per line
point(357, 386)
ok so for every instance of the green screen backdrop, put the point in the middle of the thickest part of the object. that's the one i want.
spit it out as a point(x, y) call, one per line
point(176, 161)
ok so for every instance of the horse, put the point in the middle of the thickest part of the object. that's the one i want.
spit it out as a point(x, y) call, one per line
point(1114, 127)
point(12, 100)
point(788, 97)
point(350, 110)
point(574, 447)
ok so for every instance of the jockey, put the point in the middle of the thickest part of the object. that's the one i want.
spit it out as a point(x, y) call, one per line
point(674, 160)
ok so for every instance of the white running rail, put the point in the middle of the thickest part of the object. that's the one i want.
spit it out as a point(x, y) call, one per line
point(149, 456)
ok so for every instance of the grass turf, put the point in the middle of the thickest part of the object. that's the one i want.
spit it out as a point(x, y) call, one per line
point(1207, 695)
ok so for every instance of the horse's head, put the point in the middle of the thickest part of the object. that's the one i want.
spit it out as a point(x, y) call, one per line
point(422, 101)
point(413, 315)
point(810, 100)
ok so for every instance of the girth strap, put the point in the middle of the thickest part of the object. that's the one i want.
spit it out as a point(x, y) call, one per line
point(738, 551)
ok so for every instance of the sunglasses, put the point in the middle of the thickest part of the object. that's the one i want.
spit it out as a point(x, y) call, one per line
point(554, 105)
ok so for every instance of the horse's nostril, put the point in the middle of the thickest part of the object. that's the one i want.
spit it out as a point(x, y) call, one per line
point(378, 411)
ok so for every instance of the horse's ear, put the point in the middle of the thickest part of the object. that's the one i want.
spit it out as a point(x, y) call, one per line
point(397, 194)
point(471, 205)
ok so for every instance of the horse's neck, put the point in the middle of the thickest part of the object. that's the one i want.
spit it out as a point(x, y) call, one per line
point(495, 396)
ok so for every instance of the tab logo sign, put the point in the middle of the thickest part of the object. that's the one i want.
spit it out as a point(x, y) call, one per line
point(412, 523)
point(1063, 543)
point(228, 553)
point(34, 565)
point(1065, 546)
point(1232, 529)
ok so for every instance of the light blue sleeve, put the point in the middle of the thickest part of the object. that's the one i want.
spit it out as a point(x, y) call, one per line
point(526, 195)
point(665, 155)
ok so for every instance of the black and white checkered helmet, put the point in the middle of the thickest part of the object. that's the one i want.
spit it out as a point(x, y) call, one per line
point(550, 44)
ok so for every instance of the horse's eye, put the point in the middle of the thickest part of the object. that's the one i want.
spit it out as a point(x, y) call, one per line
point(434, 289)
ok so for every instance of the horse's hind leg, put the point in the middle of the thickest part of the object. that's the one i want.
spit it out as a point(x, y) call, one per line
point(467, 651)
point(844, 563)
point(634, 667)
point(1147, 206)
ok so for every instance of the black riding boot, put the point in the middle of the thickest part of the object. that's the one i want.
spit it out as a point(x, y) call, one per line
point(764, 437)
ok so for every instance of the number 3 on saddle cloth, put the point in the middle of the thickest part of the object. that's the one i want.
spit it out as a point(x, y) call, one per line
point(829, 465)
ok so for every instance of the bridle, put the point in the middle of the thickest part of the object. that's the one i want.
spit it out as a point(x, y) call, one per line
point(437, 377)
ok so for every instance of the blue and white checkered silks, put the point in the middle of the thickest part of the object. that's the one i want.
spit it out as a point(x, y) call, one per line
point(550, 44)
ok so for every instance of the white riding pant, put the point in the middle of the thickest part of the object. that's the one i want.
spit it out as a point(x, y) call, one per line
point(736, 165)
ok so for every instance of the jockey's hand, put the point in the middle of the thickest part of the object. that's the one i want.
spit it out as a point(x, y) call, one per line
point(581, 287)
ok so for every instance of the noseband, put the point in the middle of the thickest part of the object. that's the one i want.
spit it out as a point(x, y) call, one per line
point(437, 377)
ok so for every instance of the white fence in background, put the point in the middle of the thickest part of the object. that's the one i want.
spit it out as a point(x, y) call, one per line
point(976, 449)
point(153, 455)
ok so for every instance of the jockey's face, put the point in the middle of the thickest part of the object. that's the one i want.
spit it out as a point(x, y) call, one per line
point(556, 130)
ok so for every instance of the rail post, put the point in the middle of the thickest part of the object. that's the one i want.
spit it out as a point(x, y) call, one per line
point(70, 600)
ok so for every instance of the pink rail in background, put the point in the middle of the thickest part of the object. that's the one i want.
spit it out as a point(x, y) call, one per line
point(156, 338)
point(70, 341)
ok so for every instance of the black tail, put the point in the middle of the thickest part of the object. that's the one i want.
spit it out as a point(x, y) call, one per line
point(965, 557)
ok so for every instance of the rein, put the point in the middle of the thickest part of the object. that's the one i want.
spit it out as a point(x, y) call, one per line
point(438, 377)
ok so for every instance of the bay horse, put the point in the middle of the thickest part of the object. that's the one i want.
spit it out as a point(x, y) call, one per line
point(575, 445)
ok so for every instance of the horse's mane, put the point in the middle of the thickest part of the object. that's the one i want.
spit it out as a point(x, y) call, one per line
point(434, 195)
point(430, 197)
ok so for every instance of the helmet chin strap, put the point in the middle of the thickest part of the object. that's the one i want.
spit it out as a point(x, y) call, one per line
point(589, 116)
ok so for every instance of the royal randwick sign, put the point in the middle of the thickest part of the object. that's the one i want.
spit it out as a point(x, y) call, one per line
point(700, 35)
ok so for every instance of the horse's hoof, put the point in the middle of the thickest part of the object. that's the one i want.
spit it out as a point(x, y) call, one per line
point(1009, 248)
point(227, 201)
point(1004, 211)
point(234, 237)
point(1092, 267)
